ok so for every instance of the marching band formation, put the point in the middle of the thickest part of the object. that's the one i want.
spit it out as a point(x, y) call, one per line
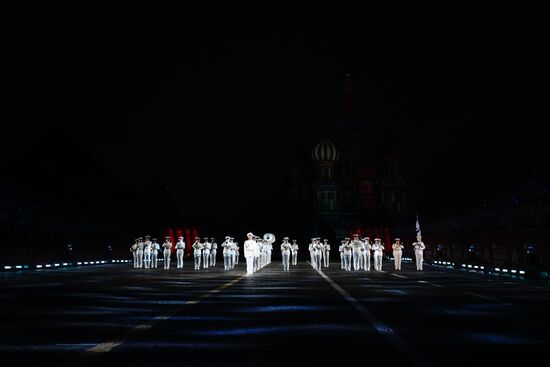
point(354, 253)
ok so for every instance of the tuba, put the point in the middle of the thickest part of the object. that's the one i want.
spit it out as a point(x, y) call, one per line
point(269, 237)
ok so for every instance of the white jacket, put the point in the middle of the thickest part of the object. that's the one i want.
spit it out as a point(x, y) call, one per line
point(197, 246)
point(397, 248)
point(419, 246)
point(378, 248)
point(251, 248)
point(285, 248)
point(180, 245)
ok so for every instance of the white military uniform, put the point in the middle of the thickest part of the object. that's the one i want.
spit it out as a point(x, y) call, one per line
point(357, 246)
point(263, 251)
point(250, 251)
point(397, 254)
point(213, 252)
point(140, 254)
point(326, 254)
point(206, 254)
point(366, 254)
point(318, 248)
point(346, 251)
point(269, 251)
point(167, 245)
point(180, 251)
point(294, 249)
point(378, 249)
point(285, 253)
point(133, 250)
point(311, 249)
point(155, 248)
point(341, 251)
point(419, 248)
point(147, 254)
point(236, 255)
point(197, 253)
point(227, 254)
point(257, 254)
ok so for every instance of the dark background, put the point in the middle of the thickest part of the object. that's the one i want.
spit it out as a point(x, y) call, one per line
point(137, 116)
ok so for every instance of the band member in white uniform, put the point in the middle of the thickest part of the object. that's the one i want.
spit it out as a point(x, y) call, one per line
point(357, 254)
point(346, 251)
point(167, 246)
point(341, 250)
point(311, 249)
point(285, 253)
point(318, 247)
point(397, 253)
point(257, 253)
point(140, 253)
point(236, 249)
point(250, 251)
point(147, 252)
point(378, 249)
point(326, 253)
point(263, 252)
point(180, 251)
point(294, 250)
point(227, 253)
point(197, 252)
point(234, 253)
point(206, 246)
point(419, 248)
point(133, 250)
point(213, 252)
point(366, 254)
point(155, 248)
point(269, 251)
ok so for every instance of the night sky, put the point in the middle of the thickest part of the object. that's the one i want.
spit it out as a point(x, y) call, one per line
point(204, 103)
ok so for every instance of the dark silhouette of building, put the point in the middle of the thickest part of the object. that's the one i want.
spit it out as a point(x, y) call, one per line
point(348, 192)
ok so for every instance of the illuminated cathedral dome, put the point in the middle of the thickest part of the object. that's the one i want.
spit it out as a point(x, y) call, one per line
point(325, 151)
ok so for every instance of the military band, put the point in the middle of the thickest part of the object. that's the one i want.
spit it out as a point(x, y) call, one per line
point(354, 254)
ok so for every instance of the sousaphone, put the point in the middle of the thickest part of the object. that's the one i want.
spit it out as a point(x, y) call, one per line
point(269, 237)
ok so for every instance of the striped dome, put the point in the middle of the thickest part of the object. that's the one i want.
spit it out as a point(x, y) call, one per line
point(325, 151)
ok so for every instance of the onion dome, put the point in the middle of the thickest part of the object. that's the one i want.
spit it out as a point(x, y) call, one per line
point(325, 151)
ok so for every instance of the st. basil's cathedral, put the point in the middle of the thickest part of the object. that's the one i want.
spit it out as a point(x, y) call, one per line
point(344, 189)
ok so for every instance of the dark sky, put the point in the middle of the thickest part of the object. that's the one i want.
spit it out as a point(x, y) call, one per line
point(208, 99)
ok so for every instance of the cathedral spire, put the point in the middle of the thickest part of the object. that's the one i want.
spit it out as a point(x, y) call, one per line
point(348, 98)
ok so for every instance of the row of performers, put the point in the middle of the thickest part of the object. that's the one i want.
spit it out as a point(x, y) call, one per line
point(356, 252)
point(145, 252)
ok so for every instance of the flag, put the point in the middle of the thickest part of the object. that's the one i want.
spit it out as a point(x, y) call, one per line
point(418, 232)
